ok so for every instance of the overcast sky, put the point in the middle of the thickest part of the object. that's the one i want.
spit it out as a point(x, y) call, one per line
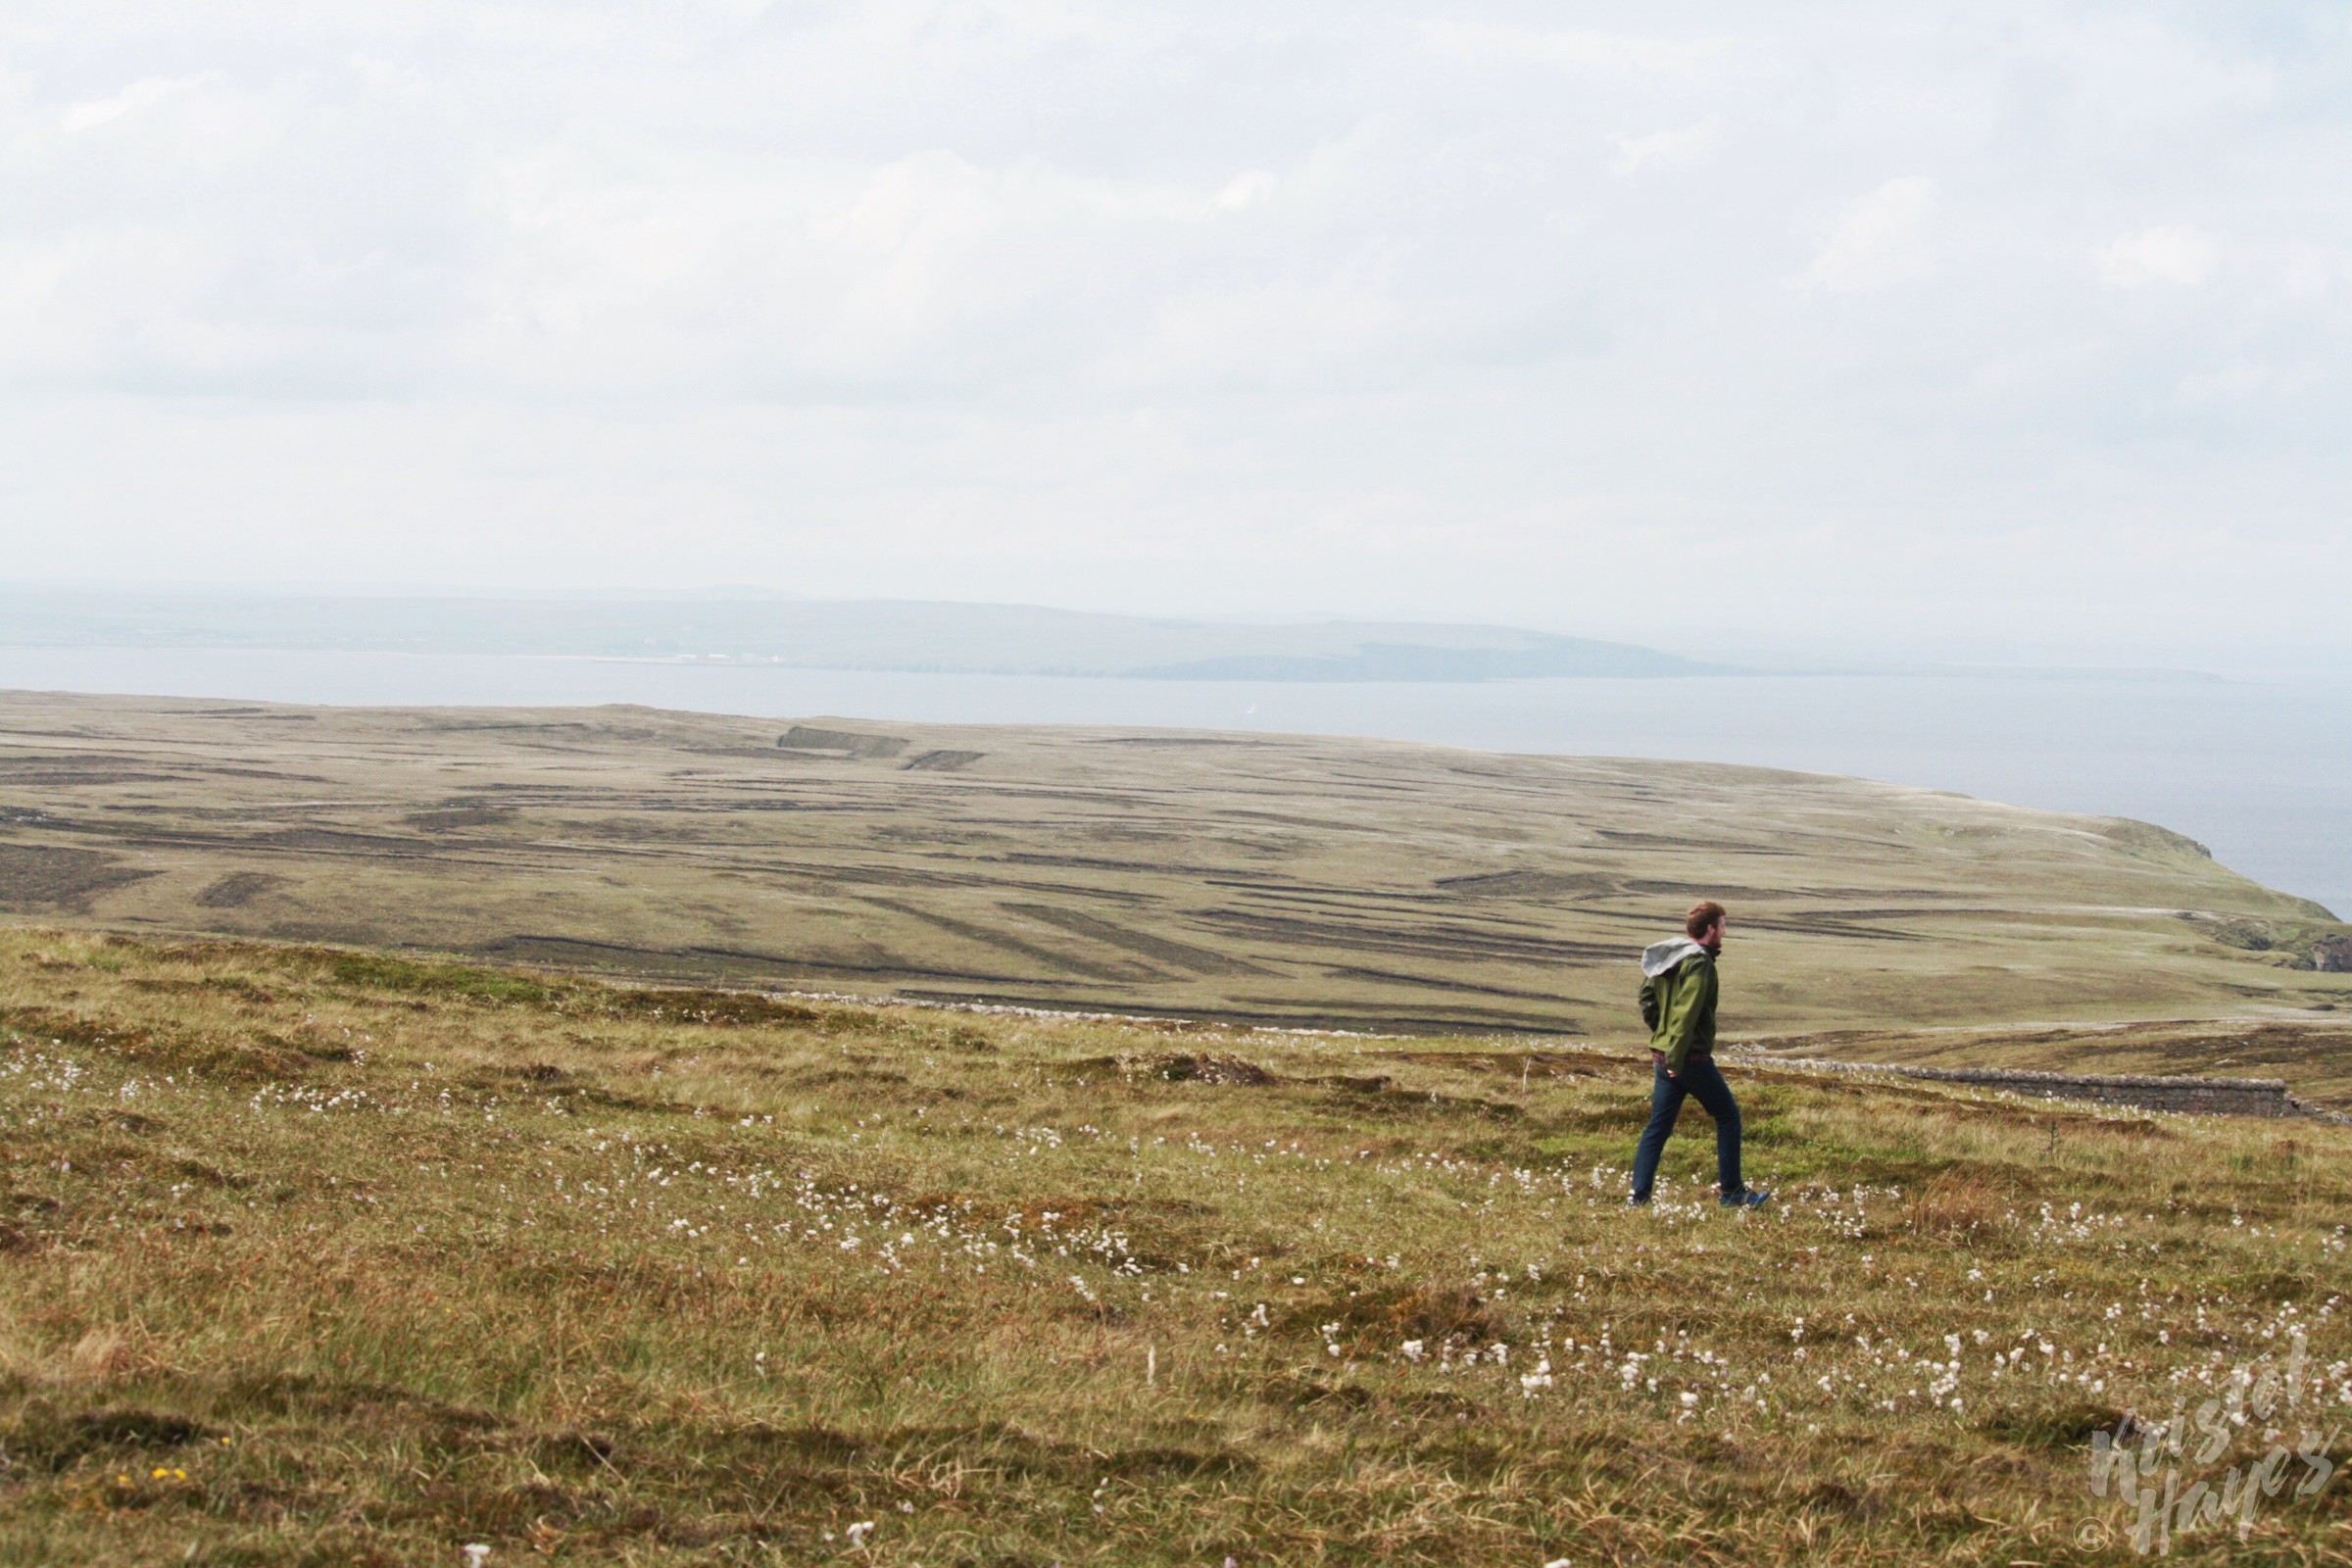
point(1978, 330)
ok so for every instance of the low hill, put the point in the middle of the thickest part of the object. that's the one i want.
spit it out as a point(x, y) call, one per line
point(828, 634)
point(1274, 879)
point(329, 1257)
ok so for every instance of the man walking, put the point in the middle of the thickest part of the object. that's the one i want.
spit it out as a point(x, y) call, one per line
point(1678, 1002)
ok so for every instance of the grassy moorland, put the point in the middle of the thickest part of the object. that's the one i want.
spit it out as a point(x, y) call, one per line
point(1252, 877)
point(311, 1257)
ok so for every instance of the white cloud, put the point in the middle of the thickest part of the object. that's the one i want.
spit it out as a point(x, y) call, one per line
point(2230, 383)
point(2180, 255)
point(2129, 73)
point(136, 99)
point(1886, 237)
point(1246, 189)
point(1665, 149)
point(1648, 58)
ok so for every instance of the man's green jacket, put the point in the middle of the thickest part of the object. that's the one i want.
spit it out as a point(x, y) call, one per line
point(1679, 1005)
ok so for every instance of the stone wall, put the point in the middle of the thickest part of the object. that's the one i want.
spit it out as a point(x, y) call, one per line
point(2196, 1096)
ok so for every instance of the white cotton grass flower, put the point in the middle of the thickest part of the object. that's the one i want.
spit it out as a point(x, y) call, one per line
point(475, 1552)
point(857, 1533)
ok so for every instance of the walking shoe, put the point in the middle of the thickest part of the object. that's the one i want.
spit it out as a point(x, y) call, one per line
point(1750, 1198)
point(1636, 1202)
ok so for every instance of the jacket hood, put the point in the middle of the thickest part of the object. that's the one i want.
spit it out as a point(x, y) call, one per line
point(1660, 956)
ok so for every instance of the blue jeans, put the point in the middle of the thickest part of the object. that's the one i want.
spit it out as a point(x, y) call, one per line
point(1699, 1077)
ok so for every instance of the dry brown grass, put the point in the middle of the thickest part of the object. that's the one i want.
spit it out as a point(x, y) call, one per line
point(1957, 1206)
